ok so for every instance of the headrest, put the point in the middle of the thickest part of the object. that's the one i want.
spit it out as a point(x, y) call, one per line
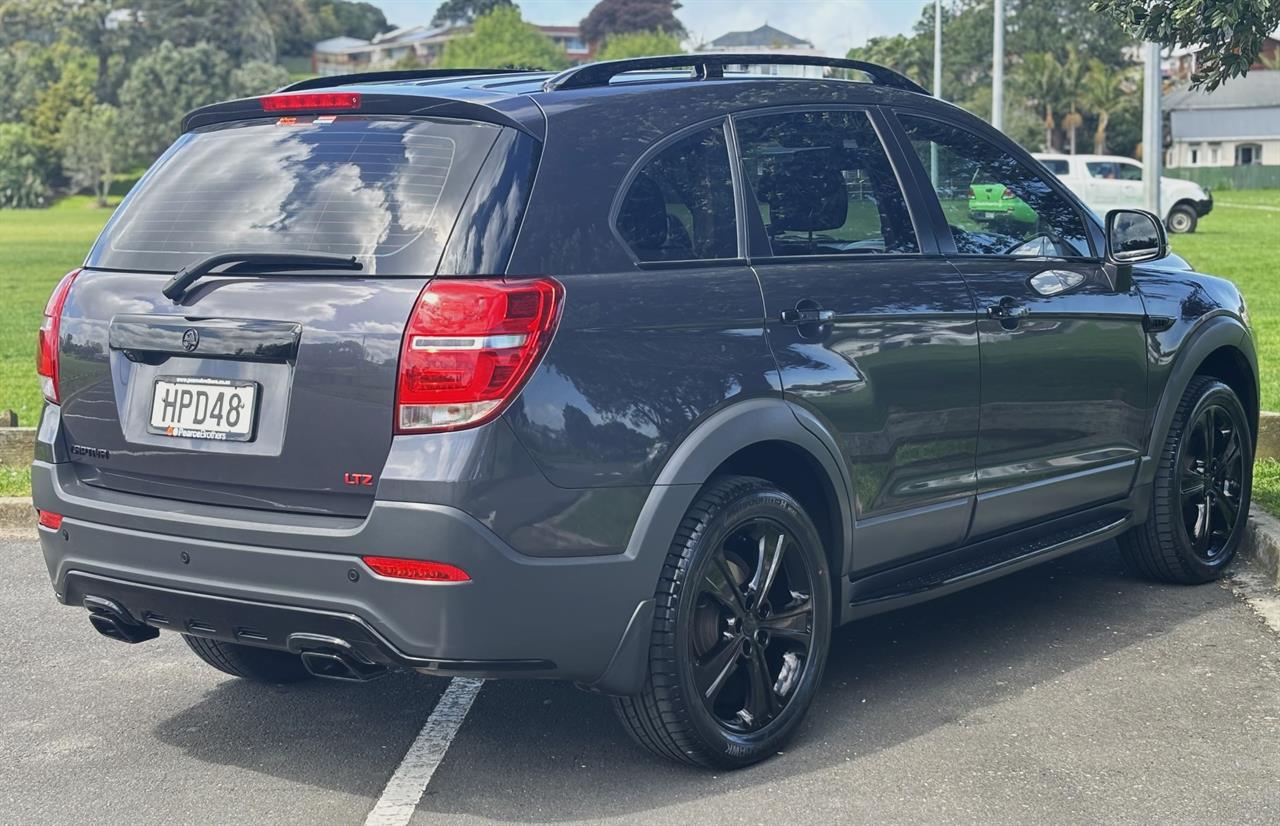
point(805, 191)
point(642, 219)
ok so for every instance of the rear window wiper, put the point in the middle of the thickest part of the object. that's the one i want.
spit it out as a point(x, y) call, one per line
point(263, 263)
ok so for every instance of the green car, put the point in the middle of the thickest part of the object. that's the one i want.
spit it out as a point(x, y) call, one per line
point(993, 202)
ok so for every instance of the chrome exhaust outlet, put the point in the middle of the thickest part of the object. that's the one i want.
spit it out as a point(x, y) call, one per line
point(333, 658)
point(110, 619)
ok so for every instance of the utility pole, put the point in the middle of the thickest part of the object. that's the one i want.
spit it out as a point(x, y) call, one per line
point(937, 83)
point(997, 68)
point(1152, 126)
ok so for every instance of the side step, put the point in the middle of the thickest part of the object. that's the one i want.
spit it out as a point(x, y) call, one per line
point(981, 568)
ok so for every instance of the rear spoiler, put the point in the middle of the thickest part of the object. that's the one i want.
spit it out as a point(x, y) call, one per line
point(515, 111)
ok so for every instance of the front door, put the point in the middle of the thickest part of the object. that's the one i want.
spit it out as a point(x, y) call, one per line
point(874, 333)
point(1063, 352)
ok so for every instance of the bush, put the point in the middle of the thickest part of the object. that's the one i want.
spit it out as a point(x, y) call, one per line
point(23, 167)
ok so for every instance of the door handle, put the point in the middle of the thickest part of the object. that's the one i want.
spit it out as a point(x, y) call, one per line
point(1008, 309)
point(806, 315)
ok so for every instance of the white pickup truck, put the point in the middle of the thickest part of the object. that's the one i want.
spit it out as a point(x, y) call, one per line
point(1107, 182)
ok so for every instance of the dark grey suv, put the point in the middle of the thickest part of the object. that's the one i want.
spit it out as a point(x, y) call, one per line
point(645, 376)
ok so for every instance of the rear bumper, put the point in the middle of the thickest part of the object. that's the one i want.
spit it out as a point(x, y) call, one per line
point(257, 578)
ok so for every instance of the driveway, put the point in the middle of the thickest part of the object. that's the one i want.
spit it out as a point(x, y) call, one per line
point(1068, 693)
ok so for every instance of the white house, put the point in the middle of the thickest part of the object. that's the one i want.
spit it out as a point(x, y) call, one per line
point(768, 40)
point(1237, 124)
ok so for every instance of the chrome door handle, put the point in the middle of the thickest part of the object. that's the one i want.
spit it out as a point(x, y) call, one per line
point(806, 316)
point(1008, 308)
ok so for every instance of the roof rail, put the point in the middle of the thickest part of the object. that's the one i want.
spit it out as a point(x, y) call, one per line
point(709, 65)
point(399, 74)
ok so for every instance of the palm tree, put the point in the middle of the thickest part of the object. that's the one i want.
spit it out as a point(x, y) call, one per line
point(1074, 71)
point(1103, 94)
point(1039, 77)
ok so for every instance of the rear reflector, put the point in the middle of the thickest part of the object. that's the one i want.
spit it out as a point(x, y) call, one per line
point(468, 348)
point(50, 520)
point(49, 336)
point(310, 100)
point(417, 569)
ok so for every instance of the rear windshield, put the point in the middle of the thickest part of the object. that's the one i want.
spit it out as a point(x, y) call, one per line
point(386, 190)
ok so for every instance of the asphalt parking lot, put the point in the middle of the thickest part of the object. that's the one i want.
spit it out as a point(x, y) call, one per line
point(1069, 693)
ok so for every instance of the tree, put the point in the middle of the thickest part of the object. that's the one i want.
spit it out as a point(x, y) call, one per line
point(92, 148)
point(1226, 34)
point(1105, 91)
point(240, 28)
point(22, 167)
point(500, 39)
point(639, 44)
point(1074, 70)
point(257, 77)
point(466, 11)
point(163, 86)
point(1039, 78)
point(614, 17)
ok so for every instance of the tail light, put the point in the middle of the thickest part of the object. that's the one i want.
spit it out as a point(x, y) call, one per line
point(417, 569)
point(1008, 195)
point(47, 343)
point(972, 194)
point(468, 348)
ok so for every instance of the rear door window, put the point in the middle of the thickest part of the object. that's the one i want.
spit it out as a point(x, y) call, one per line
point(824, 185)
point(680, 205)
point(386, 190)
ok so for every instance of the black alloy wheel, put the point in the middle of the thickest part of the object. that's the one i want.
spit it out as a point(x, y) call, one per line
point(1200, 495)
point(742, 622)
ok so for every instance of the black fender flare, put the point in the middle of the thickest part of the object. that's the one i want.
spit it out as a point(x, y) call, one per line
point(1214, 332)
point(690, 465)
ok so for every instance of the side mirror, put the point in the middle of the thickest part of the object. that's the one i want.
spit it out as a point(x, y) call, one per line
point(1135, 236)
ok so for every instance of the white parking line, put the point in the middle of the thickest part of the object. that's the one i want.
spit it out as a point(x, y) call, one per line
point(404, 790)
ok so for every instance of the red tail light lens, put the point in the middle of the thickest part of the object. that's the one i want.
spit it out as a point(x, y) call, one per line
point(298, 102)
point(1008, 195)
point(972, 194)
point(47, 342)
point(419, 569)
point(469, 346)
point(50, 520)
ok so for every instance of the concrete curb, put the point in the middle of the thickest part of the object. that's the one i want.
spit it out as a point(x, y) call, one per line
point(17, 516)
point(1262, 542)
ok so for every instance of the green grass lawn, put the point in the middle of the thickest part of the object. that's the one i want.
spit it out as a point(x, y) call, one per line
point(37, 246)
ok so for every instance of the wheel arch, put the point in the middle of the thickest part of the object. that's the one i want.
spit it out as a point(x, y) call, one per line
point(1220, 347)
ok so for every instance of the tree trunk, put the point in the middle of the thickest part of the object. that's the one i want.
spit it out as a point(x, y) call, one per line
point(1100, 134)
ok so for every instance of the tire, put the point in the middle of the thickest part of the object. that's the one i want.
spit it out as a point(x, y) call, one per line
point(721, 629)
point(261, 665)
point(1189, 537)
point(1182, 218)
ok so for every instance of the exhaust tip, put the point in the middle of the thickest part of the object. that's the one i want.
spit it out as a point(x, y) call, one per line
point(111, 620)
point(334, 665)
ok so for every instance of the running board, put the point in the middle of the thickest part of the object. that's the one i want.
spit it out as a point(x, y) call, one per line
point(983, 568)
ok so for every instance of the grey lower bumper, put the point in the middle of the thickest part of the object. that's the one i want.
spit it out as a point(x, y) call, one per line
point(563, 618)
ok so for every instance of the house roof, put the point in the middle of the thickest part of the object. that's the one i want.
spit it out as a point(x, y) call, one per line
point(766, 35)
point(1259, 88)
point(340, 44)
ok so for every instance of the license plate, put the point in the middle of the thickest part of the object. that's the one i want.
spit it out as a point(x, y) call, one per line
point(199, 408)
point(989, 215)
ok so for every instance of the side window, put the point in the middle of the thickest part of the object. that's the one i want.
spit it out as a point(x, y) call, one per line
point(1107, 170)
point(824, 185)
point(1057, 167)
point(680, 205)
point(993, 203)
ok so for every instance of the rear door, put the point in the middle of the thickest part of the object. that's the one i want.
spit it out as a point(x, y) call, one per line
point(874, 332)
point(265, 392)
point(1064, 354)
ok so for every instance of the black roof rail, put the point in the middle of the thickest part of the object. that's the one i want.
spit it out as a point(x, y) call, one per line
point(708, 65)
point(397, 74)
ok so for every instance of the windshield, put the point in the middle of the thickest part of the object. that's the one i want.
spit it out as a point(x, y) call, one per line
point(385, 190)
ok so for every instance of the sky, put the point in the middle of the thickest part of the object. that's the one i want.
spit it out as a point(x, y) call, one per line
point(831, 25)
